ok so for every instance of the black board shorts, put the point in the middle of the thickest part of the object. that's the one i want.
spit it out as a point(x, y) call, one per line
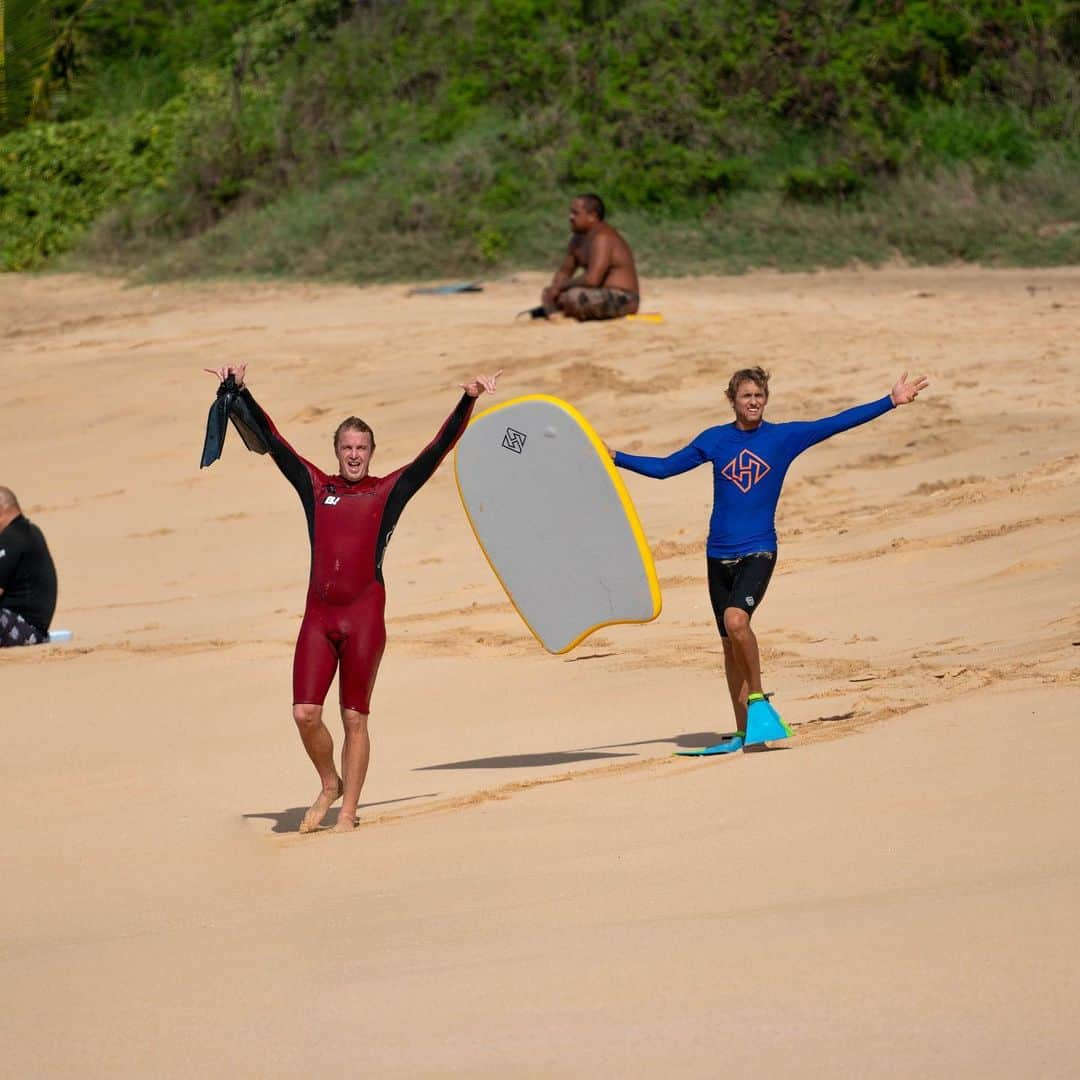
point(739, 583)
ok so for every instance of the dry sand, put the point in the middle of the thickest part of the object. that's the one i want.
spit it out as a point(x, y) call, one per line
point(539, 888)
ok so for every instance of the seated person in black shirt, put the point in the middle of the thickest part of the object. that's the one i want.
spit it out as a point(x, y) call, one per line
point(27, 577)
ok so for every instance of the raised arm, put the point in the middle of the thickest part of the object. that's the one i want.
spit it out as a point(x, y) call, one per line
point(261, 435)
point(423, 466)
point(810, 433)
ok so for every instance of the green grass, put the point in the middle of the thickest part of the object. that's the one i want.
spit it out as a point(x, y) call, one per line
point(430, 138)
point(340, 233)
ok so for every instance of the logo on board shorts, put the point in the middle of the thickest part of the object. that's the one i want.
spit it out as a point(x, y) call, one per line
point(514, 440)
point(745, 470)
point(749, 601)
point(331, 500)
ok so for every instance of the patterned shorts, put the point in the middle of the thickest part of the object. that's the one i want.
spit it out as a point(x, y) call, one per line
point(587, 304)
point(15, 630)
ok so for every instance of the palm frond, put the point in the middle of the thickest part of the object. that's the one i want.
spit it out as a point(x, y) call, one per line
point(34, 52)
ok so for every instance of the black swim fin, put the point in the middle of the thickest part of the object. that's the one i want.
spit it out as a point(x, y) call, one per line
point(229, 405)
point(246, 423)
point(538, 312)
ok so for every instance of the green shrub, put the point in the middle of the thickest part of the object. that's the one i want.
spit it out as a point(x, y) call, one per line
point(440, 131)
point(839, 180)
point(55, 179)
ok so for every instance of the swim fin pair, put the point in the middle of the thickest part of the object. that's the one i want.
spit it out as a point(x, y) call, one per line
point(763, 724)
point(230, 406)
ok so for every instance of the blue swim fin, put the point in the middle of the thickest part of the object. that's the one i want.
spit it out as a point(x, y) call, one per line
point(728, 746)
point(763, 722)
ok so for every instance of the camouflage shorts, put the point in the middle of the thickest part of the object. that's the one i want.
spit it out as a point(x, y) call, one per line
point(15, 630)
point(600, 303)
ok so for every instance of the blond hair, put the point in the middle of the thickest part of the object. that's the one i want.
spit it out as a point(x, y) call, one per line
point(758, 376)
point(352, 423)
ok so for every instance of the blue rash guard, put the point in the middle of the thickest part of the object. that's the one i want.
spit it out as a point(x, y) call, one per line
point(748, 472)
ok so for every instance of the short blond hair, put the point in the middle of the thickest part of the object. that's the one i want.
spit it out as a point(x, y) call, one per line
point(756, 375)
point(352, 423)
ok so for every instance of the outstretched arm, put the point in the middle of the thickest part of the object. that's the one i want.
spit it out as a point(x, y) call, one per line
point(812, 432)
point(689, 457)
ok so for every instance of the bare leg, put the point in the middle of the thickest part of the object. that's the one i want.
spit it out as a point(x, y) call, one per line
point(736, 681)
point(320, 748)
point(744, 648)
point(355, 754)
point(569, 303)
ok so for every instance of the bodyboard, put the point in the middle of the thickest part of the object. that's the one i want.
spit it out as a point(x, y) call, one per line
point(447, 290)
point(555, 521)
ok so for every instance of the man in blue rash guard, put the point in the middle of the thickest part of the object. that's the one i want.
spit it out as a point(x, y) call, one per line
point(750, 459)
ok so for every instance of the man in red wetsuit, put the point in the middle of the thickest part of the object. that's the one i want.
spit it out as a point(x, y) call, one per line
point(350, 517)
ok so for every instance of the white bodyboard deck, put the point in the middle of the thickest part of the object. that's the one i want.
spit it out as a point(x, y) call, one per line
point(555, 521)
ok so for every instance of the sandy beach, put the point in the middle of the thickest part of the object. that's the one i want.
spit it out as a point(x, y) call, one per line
point(538, 886)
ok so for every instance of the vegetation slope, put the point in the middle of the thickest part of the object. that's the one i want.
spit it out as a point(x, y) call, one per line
point(373, 139)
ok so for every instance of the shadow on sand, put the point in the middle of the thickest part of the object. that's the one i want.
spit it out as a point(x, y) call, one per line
point(522, 761)
point(693, 741)
point(687, 741)
point(286, 821)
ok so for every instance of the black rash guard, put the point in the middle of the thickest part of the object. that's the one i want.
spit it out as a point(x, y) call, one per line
point(27, 573)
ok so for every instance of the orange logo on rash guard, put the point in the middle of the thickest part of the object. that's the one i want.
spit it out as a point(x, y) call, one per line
point(745, 470)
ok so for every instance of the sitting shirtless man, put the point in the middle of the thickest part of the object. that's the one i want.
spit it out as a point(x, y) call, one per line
point(608, 286)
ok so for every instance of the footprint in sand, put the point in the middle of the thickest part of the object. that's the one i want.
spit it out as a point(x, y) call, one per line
point(309, 413)
point(150, 535)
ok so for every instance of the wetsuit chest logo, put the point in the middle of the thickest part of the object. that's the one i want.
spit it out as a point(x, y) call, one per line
point(745, 470)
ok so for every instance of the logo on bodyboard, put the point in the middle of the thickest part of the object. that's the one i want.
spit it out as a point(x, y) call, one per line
point(514, 440)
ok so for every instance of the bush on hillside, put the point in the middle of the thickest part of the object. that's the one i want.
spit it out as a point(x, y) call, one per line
point(448, 121)
point(55, 179)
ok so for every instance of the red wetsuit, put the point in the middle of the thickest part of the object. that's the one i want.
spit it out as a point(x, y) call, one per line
point(349, 525)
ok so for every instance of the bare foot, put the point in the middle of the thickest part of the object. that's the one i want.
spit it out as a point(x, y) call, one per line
point(320, 807)
point(345, 824)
